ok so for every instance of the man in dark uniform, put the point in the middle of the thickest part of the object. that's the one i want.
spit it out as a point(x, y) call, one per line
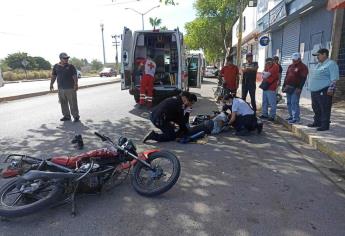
point(249, 79)
point(171, 111)
point(67, 80)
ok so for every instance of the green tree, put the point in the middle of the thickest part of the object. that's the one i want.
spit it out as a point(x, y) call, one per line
point(163, 28)
point(42, 64)
point(3, 65)
point(14, 61)
point(169, 2)
point(212, 29)
point(96, 65)
point(78, 63)
point(155, 22)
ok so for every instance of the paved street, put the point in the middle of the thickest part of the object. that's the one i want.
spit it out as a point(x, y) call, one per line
point(11, 90)
point(268, 184)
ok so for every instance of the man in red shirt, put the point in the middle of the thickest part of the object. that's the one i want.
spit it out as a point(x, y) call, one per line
point(269, 96)
point(295, 78)
point(230, 73)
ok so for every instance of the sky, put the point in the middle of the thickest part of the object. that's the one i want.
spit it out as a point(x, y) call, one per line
point(45, 27)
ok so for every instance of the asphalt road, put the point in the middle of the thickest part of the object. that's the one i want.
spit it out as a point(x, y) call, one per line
point(267, 184)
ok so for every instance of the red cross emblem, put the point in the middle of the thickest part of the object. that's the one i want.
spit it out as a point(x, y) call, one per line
point(151, 65)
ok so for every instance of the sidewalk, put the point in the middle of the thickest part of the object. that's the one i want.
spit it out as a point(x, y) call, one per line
point(26, 89)
point(331, 142)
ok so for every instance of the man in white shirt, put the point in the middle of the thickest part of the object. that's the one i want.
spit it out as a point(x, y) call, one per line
point(242, 117)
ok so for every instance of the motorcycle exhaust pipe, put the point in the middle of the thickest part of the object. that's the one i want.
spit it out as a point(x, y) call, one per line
point(35, 174)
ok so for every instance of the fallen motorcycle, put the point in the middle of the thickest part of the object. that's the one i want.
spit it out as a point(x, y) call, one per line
point(39, 183)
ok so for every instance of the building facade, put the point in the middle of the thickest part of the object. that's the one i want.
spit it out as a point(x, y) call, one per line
point(294, 26)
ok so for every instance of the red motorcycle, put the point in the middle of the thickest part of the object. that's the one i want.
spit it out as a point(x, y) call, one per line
point(44, 183)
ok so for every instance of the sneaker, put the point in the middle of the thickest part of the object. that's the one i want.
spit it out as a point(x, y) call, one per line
point(271, 119)
point(76, 138)
point(289, 118)
point(76, 119)
point(313, 125)
point(263, 117)
point(148, 136)
point(65, 118)
point(80, 144)
point(294, 122)
point(259, 128)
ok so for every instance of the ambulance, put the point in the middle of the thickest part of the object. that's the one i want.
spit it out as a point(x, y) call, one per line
point(167, 50)
point(195, 69)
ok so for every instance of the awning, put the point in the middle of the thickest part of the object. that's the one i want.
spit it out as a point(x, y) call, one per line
point(335, 4)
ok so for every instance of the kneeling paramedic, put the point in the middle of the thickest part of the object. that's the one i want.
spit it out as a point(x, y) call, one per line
point(242, 117)
point(171, 111)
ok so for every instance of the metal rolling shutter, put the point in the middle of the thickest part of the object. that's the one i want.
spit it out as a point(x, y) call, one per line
point(291, 33)
point(277, 37)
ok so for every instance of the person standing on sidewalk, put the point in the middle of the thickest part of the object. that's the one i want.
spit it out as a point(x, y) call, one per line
point(322, 86)
point(295, 78)
point(278, 91)
point(147, 82)
point(67, 81)
point(230, 73)
point(249, 79)
point(269, 95)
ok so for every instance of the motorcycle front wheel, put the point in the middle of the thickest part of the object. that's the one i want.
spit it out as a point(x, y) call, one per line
point(152, 182)
point(20, 197)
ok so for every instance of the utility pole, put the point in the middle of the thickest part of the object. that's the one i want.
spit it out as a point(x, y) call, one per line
point(239, 38)
point(102, 29)
point(116, 44)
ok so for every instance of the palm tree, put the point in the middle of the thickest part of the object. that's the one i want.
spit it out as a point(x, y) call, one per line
point(155, 22)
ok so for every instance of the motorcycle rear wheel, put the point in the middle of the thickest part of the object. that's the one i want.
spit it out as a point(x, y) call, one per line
point(26, 199)
point(166, 172)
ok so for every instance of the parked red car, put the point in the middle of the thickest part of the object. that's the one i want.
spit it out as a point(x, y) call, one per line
point(108, 72)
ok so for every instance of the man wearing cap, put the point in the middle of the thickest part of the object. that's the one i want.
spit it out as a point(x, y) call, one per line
point(295, 78)
point(249, 79)
point(322, 86)
point(271, 76)
point(67, 81)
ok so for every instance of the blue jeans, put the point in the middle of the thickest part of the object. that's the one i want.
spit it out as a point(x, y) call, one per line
point(293, 105)
point(269, 98)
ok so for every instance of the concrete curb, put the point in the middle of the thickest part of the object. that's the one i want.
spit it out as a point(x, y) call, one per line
point(315, 141)
point(22, 96)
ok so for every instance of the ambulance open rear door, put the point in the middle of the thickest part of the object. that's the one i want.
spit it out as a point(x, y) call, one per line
point(194, 66)
point(126, 59)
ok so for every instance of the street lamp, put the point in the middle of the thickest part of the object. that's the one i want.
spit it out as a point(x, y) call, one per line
point(142, 14)
point(102, 29)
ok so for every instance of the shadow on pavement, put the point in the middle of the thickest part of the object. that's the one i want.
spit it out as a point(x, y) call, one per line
point(226, 186)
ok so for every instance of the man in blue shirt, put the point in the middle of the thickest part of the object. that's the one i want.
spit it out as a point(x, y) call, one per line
point(322, 87)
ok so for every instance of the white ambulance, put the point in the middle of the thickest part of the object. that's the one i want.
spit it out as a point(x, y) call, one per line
point(167, 51)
